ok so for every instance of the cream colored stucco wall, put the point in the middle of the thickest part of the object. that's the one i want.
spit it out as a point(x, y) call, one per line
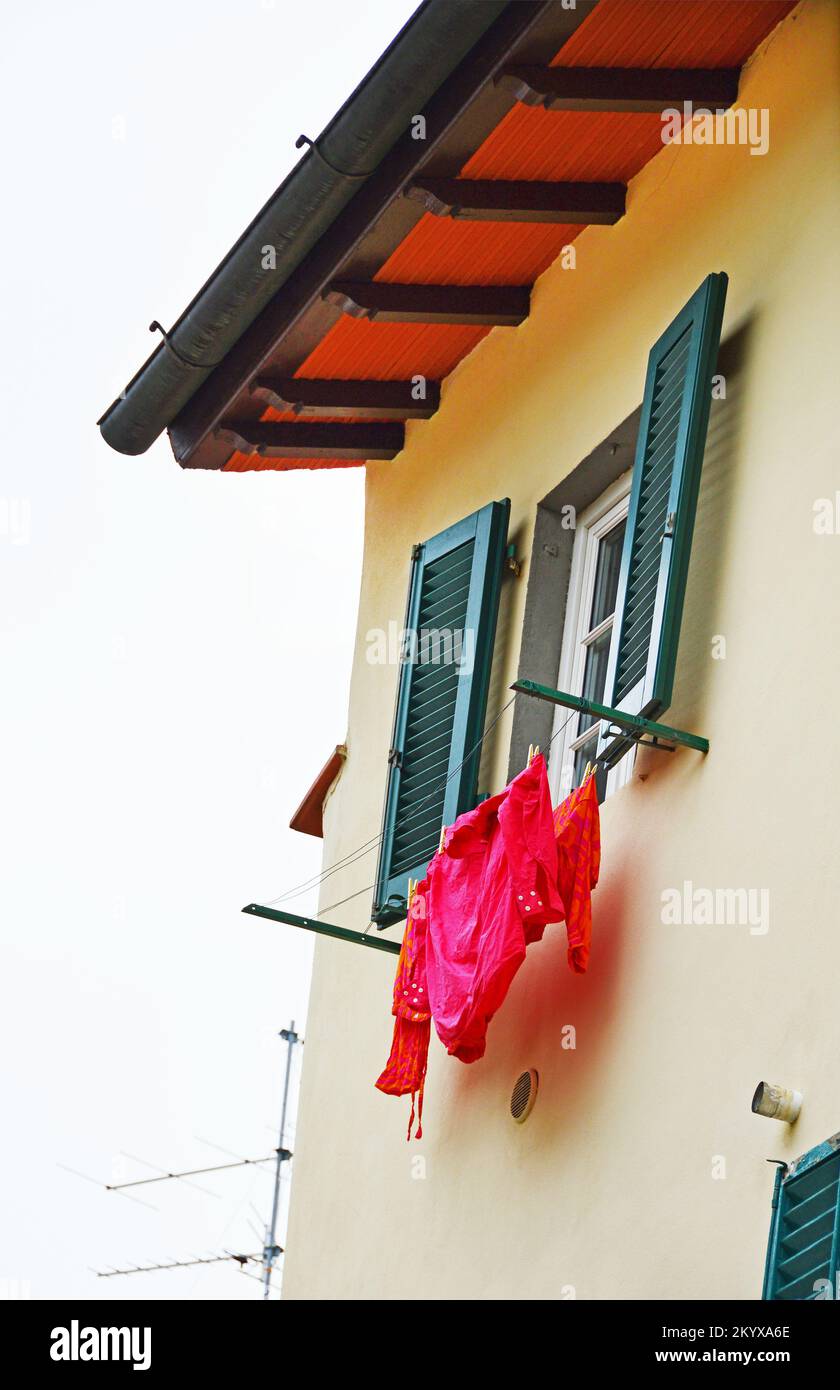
point(608, 1188)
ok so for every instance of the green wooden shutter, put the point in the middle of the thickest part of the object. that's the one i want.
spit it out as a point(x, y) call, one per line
point(663, 501)
point(804, 1244)
point(453, 601)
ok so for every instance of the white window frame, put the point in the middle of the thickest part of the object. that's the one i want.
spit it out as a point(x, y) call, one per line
point(594, 523)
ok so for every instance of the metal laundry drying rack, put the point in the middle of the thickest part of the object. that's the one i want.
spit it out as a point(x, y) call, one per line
point(631, 730)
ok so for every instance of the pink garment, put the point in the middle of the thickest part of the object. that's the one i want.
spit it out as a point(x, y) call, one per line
point(490, 893)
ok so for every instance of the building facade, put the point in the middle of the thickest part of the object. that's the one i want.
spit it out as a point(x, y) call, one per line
point(644, 1126)
point(641, 1172)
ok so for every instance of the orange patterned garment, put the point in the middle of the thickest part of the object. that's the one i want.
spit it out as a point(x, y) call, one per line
point(577, 826)
point(405, 1070)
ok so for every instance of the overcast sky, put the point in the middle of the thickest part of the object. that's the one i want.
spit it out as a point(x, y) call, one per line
point(175, 645)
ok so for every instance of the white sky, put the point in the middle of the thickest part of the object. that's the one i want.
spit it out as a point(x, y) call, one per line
point(175, 645)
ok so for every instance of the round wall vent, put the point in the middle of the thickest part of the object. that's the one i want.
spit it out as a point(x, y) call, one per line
point(523, 1095)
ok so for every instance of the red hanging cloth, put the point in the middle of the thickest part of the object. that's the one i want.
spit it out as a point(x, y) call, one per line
point(507, 869)
point(405, 1070)
point(577, 826)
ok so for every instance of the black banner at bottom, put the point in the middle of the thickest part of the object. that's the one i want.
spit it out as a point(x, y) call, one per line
point(92, 1339)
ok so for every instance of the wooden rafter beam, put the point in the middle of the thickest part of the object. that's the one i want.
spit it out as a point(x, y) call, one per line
point(282, 439)
point(465, 111)
point(622, 89)
point(514, 200)
point(470, 304)
point(386, 400)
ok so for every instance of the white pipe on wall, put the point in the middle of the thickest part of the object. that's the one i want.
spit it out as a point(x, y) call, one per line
point(776, 1102)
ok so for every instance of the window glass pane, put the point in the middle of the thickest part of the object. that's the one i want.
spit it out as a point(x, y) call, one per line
point(595, 675)
point(586, 753)
point(606, 577)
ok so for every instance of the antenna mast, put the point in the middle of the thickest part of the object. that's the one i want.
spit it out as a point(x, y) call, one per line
point(272, 1249)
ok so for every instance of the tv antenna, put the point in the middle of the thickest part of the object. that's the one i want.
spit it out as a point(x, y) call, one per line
point(271, 1250)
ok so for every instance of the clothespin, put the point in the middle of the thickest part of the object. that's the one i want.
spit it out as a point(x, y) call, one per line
point(411, 890)
point(533, 751)
point(586, 772)
point(442, 838)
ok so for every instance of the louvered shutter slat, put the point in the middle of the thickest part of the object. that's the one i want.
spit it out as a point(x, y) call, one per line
point(805, 1237)
point(441, 698)
point(666, 479)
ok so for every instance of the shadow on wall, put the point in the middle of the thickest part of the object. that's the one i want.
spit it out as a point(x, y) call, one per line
point(713, 536)
point(553, 998)
point(528, 1031)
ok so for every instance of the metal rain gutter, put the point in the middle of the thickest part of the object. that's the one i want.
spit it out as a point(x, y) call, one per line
point(350, 149)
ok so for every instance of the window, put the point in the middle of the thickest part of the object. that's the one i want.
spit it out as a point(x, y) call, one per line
point(803, 1252)
point(590, 613)
point(632, 630)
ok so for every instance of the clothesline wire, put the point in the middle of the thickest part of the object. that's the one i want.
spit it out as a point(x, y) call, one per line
point(369, 845)
point(369, 887)
point(320, 878)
